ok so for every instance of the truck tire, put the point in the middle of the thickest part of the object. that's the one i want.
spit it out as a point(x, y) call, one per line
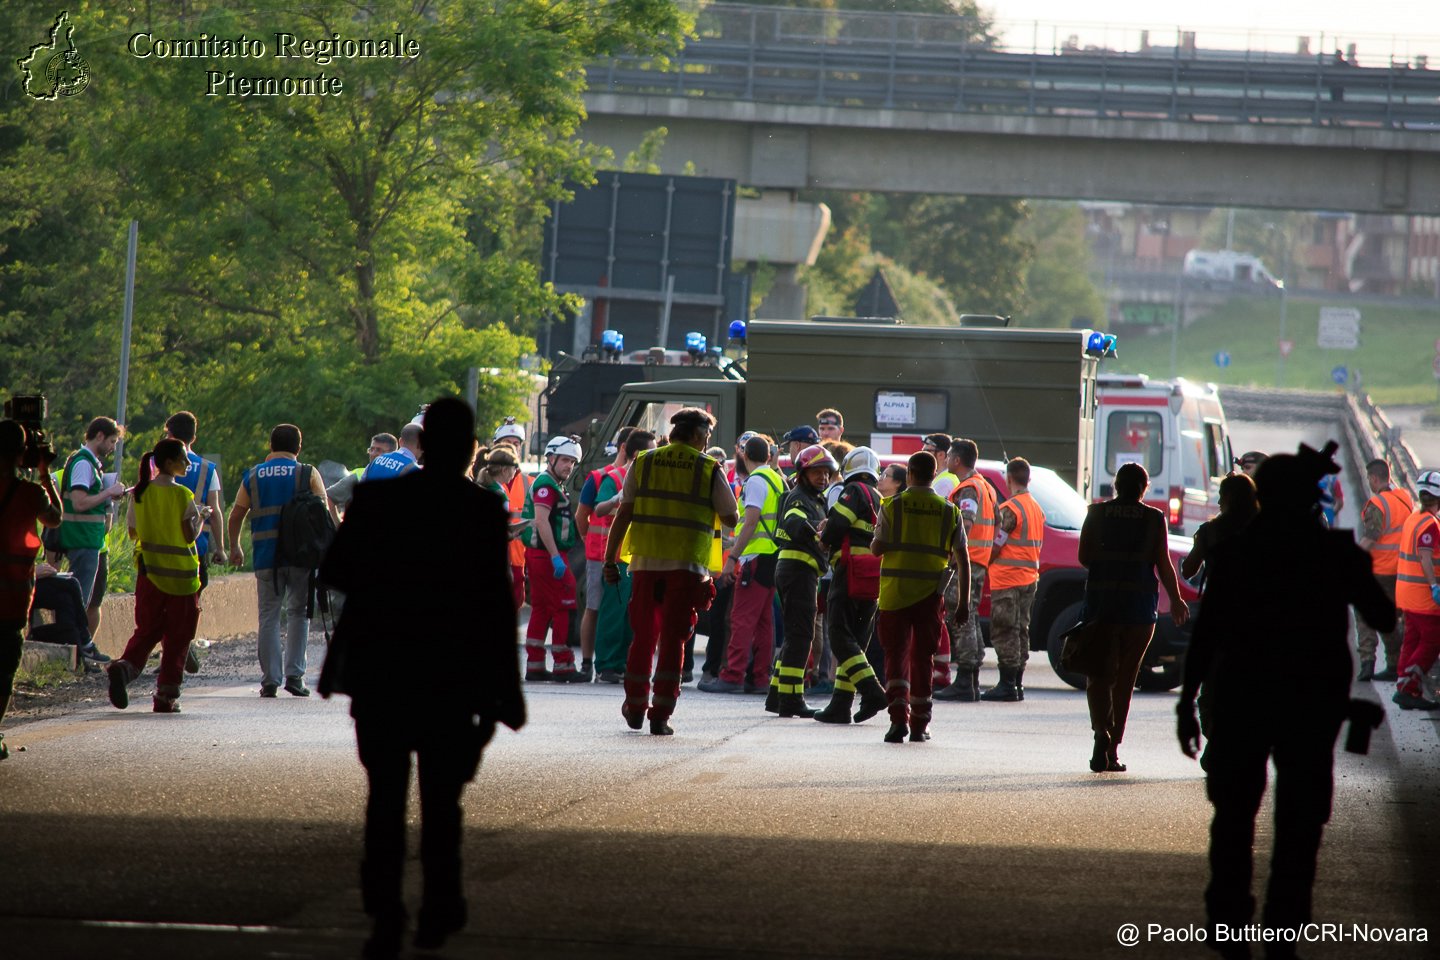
point(1158, 681)
point(1061, 622)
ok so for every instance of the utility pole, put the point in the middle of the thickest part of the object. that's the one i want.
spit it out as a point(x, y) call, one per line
point(128, 317)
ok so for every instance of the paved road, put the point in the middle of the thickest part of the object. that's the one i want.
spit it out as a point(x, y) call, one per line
point(232, 831)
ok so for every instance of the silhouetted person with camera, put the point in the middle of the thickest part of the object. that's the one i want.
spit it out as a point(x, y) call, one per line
point(1272, 645)
point(395, 547)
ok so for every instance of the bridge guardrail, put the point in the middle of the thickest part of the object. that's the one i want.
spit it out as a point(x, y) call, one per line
point(1379, 439)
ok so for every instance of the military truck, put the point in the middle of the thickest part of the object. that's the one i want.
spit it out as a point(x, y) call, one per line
point(1016, 392)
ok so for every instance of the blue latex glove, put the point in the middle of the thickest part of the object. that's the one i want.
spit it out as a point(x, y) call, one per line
point(1435, 592)
point(559, 564)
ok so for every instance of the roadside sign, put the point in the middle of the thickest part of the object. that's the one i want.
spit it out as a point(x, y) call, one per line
point(1222, 359)
point(1340, 375)
point(1339, 328)
point(1286, 346)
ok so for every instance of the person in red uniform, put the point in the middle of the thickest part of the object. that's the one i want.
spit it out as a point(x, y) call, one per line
point(1417, 593)
point(548, 539)
point(22, 504)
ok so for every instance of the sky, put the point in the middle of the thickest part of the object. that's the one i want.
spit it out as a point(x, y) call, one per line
point(1404, 26)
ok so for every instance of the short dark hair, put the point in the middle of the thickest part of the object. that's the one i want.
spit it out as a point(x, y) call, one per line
point(102, 426)
point(447, 437)
point(636, 441)
point(921, 467)
point(1019, 471)
point(837, 448)
point(412, 432)
point(181, 426)
point(689, 421)
point(285, 439)
point(623, 434)
point(388, 439)
point(832, 413)
point(757, 449)
point(1378, 469)
point(896, 472)
point(966, 451)
point(1130, 481)
point(940, 441)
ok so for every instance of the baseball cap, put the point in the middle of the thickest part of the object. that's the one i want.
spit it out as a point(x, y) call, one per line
point(802, 434)
point(745, 438)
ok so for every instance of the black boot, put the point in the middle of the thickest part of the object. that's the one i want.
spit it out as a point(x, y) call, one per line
point(772, 700)
point(965, 689)
point(794, 705)
point(896, 733)
point(838, 709)
point(1005, 691)
point(1367, 669)
point(872, 699)
point(1020, 682)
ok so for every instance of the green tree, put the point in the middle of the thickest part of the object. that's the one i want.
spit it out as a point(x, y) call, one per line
point(1058, 287)
point(329, 260)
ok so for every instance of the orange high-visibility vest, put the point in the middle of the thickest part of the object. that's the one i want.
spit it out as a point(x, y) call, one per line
point(1412, 590)
point(1017, 560)
point(600, 526)
point(981, 540)
point(1394, 507)
point(516, 494)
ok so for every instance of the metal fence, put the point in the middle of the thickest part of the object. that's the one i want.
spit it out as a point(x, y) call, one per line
point(955, 64)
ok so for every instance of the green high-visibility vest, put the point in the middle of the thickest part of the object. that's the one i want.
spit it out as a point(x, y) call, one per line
point(920, 535)
point(673, 517)
point(762, 540)
point(82, 529)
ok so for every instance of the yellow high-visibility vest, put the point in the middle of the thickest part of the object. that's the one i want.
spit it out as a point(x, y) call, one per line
point(920, 533)
point(674, 516)
point(168, 559)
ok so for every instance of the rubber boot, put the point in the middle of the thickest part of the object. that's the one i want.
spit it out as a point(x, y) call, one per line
point(1367, 669)
point(772, 696)
point(872, 699)
point(1004, 691)
point(838, 709)
point(1020, 682)
point(794, 705)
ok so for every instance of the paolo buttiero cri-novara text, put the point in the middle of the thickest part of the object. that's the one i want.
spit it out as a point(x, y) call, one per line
point(144, 46)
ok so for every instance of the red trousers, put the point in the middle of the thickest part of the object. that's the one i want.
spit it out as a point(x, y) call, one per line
point(551, 602)
point(517, 583)
point(910, 637)
point(752, 634)
point(663, 605)
point(1418, 651)
point(165, 620)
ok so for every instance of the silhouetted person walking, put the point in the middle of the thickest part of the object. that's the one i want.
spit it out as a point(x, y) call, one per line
point(393, 548)
point(1271, 643)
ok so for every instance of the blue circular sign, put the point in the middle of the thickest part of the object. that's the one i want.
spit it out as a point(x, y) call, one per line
point(1222, 359)
point(1340, 374)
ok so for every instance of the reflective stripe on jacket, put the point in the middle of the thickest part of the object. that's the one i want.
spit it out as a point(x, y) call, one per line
point(1017, 561)
point(981, 535)
point(762, 540)
point(1394, 506)
point(807, 507)
point(1412, 590)
point(673, 516)
point(562, 522)
point(920, 533)
point(599, 528)
point(82, 529)
point(167, 557)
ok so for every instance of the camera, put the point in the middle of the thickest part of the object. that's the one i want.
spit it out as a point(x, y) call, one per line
point(28, 410)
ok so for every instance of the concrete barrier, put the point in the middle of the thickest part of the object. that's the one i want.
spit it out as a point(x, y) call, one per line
point(227, 609)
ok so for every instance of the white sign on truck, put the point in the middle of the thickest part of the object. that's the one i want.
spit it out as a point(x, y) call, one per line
point(1339, 328)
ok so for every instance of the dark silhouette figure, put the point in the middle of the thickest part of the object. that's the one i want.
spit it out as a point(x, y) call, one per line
point(434, 545)
point(1271, 644)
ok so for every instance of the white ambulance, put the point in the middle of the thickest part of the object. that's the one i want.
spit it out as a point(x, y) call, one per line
point(1176, 430)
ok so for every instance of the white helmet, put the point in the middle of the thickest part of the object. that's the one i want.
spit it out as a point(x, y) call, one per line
point(861, 460)
point(563, 447)
point(1429, 483)
point(509, 429)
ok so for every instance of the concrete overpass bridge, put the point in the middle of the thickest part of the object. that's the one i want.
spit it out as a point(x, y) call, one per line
point(793, 99)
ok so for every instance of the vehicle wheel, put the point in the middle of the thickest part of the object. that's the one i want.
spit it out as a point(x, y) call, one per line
point(1063, 621)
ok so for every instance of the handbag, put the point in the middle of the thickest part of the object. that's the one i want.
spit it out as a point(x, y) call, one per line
point(862, 571)
point(1081, 649)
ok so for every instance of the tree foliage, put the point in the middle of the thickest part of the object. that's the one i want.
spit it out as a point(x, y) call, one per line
point(1058, 286)
point(329, 261)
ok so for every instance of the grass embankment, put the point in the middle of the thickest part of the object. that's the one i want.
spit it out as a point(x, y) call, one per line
point(1397, 346)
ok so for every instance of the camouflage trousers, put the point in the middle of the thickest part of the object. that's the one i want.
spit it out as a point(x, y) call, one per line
point(1367, 640)
point(967, 643)
point(1010, 624)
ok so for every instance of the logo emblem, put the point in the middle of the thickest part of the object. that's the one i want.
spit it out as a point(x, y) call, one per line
point(55, 69)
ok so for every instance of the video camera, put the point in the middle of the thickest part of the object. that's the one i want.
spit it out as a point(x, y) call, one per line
point(28, 410)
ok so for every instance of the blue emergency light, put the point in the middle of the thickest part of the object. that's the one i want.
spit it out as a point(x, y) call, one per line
point(737, 330)
point(612, 344)
point(695, 344)
point(1100, 344)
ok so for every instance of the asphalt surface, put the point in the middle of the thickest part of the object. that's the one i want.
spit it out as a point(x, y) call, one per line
point(232, 830)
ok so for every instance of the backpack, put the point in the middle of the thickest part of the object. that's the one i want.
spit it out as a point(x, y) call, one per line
point(306, 528)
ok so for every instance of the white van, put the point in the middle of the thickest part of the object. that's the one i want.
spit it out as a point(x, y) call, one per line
point(1230, 267)
point(1176, 430)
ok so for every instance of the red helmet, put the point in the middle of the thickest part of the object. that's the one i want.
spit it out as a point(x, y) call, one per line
point(815, 456)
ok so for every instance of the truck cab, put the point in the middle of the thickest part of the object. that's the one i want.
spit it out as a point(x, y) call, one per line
point(1176, 430)
point(649, 406)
